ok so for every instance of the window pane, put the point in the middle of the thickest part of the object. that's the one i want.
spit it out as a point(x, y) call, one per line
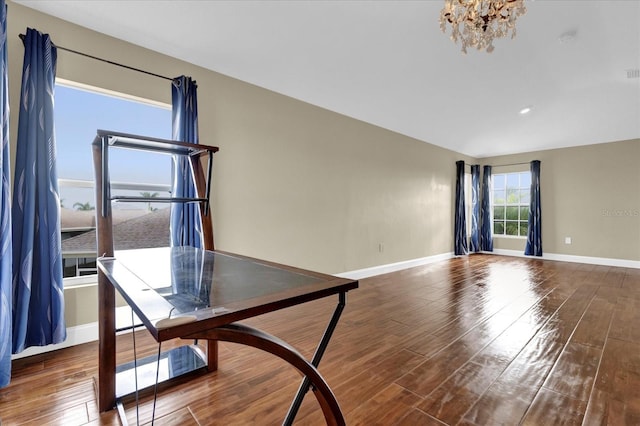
point(498, 197)
point(512, 180)
point(525, 180)
point(524, 213)
point(498, 181)
point(513, 196)
point(75, 267)
point(498, 228)
point(79, 113)
point(524, 229)
point(498, 212)
point(69, 268)
point(512, 213)
point(524, 196)
point(511, 228)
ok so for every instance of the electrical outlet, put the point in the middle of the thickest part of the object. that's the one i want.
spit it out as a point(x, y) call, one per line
point(567, 240)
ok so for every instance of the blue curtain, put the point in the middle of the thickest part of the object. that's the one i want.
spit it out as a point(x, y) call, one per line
point(5, 211)
point(460, 223)
point(474, 244)
point(534, 238)
point(38, 300)
point(486, 230)
point(186, 225)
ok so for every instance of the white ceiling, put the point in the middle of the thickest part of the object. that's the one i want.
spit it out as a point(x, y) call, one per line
point(388, 63)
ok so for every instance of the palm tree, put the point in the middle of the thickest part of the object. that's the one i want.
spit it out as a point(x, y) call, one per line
point(83, 206)
point(150, 195)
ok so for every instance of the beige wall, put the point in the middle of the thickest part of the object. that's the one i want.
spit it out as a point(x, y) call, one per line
point(293, 183)
point(589, 193)
point(305, 186)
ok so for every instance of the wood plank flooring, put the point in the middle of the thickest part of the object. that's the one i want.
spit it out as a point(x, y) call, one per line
point(481, 340)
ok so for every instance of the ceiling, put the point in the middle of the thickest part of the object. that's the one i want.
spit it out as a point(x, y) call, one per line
point(387, 63)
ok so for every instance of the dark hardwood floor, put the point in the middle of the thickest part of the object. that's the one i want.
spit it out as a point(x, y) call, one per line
point(482, 340)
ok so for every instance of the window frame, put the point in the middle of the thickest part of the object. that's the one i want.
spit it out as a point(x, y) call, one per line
point(506, 205)
point(91, 279)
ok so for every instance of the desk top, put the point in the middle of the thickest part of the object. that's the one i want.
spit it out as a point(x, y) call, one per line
point(201, 289)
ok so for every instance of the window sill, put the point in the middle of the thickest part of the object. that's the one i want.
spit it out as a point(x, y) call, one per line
point(510, 237)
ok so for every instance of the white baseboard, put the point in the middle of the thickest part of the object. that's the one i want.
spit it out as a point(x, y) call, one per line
point(75, 336)
point(393, 267)
point(604, 261)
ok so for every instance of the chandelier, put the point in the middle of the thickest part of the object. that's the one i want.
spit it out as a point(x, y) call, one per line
point(481, 21)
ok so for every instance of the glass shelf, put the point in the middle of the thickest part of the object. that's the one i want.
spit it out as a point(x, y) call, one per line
point(133, 199)
point(173, 364)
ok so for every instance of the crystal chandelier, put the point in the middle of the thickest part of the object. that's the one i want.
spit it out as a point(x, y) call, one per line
point(481, 21)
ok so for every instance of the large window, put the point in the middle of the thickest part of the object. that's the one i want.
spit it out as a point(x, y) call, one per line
point(511, 194)
point(80, 111)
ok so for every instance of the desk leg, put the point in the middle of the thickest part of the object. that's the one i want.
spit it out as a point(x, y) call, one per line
point(107, 345)
point(245, 335)
point(212, 355)
point(315, 361)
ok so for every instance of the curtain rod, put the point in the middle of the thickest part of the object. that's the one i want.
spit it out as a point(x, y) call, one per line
point(499, 165)
point(22, 36)
point(512, 164)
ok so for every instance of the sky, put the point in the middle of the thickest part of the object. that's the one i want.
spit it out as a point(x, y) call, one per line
point(79, 114)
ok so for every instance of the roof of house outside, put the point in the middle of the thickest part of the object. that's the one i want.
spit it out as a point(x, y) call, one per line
point(146, 230)
point(73, 219)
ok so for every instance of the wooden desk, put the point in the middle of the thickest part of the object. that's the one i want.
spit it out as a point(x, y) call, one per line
point(183, 292)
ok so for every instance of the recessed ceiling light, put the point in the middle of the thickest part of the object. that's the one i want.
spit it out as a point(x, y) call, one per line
point(526, 110)
point(567, 36)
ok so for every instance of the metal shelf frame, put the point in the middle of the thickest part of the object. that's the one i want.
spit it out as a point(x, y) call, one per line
point(107, 139)
point(108, 372)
